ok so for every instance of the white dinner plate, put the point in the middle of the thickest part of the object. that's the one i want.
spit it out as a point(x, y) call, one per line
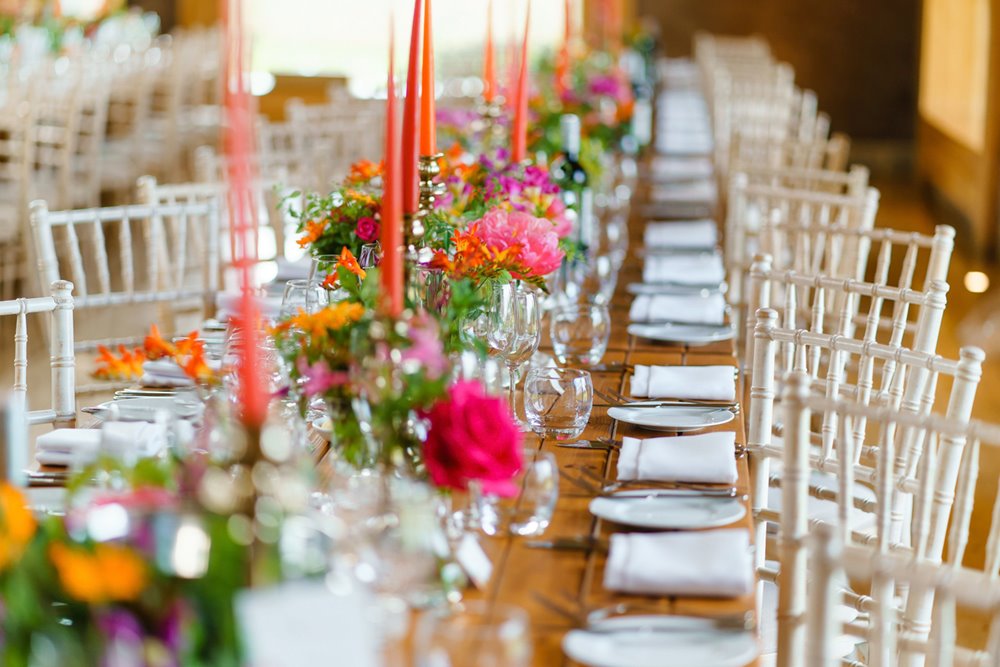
point(684, 511)
point(673, 288)
point(675, 418)
point(659, 641)
point(144, 408)
point(324, 426)
point(690, 334)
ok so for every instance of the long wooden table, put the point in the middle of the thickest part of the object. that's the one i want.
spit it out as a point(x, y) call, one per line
point(521, 573)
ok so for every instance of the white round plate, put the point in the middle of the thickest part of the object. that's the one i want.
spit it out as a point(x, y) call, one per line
point(144, 408)
point(323, 426)
point(691, 334)
point(676, 418)
point(674, 512)
point(660, 641)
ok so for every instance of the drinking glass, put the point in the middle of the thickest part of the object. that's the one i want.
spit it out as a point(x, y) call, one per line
point(307, 295)
point(514, 331)
point(371, 255)
point(476, 634)
point(527, 512)
point(558, 401)
point(323, 266)
point(580, 333)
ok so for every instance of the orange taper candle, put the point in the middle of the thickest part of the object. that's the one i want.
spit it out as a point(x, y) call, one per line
point(392, 215)
point(489, 66)
point(411, 115)
point(519, 148)
point(428, 122)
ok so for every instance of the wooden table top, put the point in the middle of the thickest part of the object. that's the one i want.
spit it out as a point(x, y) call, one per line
point(521, 573)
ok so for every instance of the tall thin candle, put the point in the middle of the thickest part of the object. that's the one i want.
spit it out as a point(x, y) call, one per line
point(411, 116)
point(238, 145)
point(392, 216)
point(428, 122)
point(489, 66)
point(519, 148)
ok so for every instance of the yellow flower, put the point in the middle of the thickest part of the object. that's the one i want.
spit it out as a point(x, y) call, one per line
point(109, 573)
point(17, 525)
point(331, 317)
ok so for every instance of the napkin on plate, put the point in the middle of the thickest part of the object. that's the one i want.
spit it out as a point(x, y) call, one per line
point(707, 458)
point(681, 234)
point(80, 446)
point(712, 563)
point(710, 383)
point(228, 303)
point(694, 191)
point(684, 269)
point(688, 308)
point(665, 168)
point(164, 373)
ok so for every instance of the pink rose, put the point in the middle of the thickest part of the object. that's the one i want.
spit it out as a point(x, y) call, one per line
point(473, 437)
point(536, 237)
point(367, 229)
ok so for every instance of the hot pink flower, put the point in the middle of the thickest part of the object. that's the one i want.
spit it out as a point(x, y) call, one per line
point(473, 438)
point(537, 239)
point(556, 213)
point(319, 377)
point(367, 229)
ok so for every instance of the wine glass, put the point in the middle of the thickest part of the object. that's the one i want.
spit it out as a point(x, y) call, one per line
point(514, 332)
point(306, 295)
point(371, 255)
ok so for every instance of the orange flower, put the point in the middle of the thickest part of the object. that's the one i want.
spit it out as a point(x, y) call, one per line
point(17, 525)
point(474, 259)
point(156, 346)
point(331, 317)
point(349, 262)
point(364, 171)
point(126, 366)
point(109, 573)
point(314, 230)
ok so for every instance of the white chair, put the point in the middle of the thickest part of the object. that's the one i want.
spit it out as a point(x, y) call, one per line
point(947, 470)
point(59, 306)
point(750, 207)
point(749, 154)
point(128, 260)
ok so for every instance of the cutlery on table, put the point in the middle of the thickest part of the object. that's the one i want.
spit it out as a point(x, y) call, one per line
point(608, 485)
point(619, 401)
point(580, 543)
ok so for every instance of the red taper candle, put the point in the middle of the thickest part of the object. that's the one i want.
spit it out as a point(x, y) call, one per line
point(489, 66)
point(411, 118)
point(428, 121)
point(392, 194)
point(519, 147)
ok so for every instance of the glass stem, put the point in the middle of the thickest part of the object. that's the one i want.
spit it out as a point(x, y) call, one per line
point(511, 390)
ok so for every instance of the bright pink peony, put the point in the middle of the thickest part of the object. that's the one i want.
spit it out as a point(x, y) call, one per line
point(537, 239)
point(367, 229)
point(473, 438)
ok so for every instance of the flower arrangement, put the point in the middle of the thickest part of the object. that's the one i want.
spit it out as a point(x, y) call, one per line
point(349, 217)
point(188, 353)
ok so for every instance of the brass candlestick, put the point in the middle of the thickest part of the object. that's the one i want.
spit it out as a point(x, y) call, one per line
point(429, 189)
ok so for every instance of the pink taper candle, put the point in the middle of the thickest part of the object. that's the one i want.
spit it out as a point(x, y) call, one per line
point(411, 117)
point(392, 193)
point(428, 121)
point(489, 66)
point(519, 148)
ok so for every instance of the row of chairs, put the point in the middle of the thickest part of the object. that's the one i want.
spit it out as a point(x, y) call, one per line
point(860, 434)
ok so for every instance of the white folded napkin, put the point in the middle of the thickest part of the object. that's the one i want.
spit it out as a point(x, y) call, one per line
point(684, 269)
point(164, 373)
point(681, 234)
point(707, 458)
point(227, 304)
point(712, 563)
point(80, 446)
point(703, 191)
point(668, 168)
point(710, 383)
point(691, 308)
point(673, 144)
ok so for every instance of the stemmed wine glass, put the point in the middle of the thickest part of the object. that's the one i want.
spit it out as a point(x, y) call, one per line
point(305, 295)
point(514, 332)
